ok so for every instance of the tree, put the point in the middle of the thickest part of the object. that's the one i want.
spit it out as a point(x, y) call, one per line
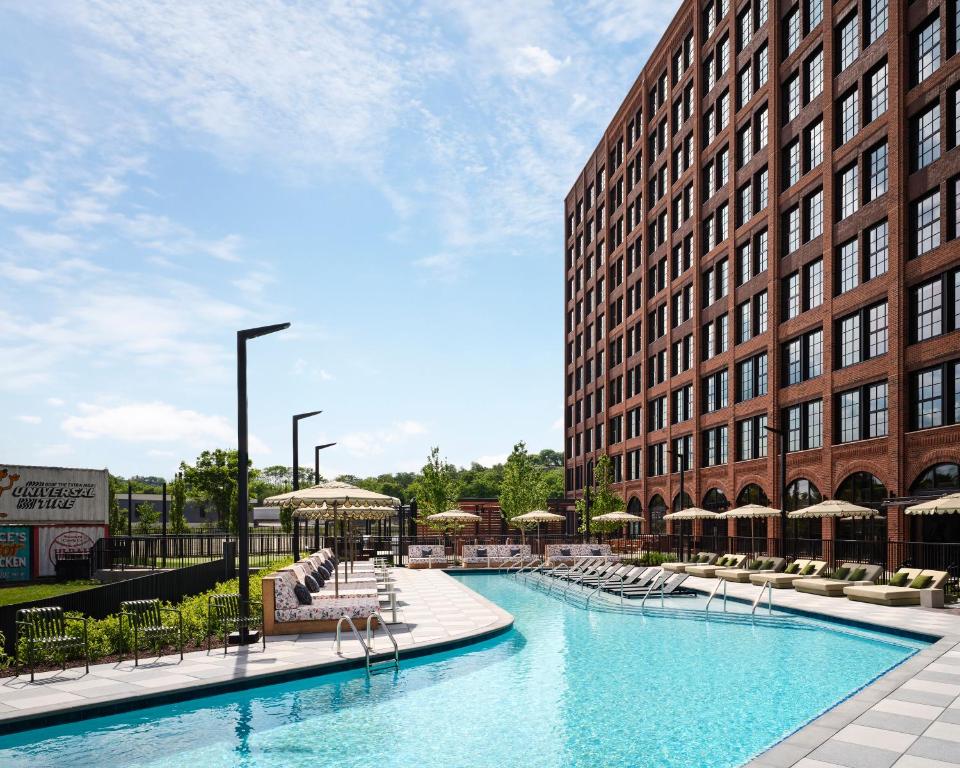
point(437, 490)
point(553, 481)
point(286, 519)
point(602, 498)
point(118, 516)
point(178, 520)
point(522, 489)
point(147, 517)
point(212, 481)
point(548, 459)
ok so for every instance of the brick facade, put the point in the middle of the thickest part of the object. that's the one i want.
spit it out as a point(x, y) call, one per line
point(612, 242)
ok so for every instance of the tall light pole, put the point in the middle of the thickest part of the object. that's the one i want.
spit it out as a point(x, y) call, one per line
point(679, 461)
point(243, 494)
point(782, 443)
point(296, 475)
point(316, 481)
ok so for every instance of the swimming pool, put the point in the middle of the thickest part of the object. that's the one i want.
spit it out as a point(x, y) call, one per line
point(565, 687)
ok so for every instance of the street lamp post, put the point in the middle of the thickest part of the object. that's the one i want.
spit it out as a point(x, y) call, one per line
point(296, 475)
point(243, 494)
point(678, 461)
point(316, 481)
point(783, 486)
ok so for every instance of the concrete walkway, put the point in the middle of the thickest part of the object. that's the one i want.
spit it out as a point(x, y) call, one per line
point(434, 610)
point(909, 718)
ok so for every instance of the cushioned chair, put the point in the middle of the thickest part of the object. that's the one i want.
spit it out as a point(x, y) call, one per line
point(702, 558)
point(890, 594)
point(710, 571)
point(798, 569)
point(742, 575)
point(834, 586)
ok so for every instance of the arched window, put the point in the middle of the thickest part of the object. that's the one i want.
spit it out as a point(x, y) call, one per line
point(633, 508)
point(753, 494)
point(658, 508)
point(802, 493)
point(687, 502)
point(715, 500)
point(862, 488)
point(939, 477)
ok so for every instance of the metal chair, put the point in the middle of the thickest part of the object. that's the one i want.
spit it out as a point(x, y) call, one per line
point(224, 616)
point(146, 619)
point(46, 629)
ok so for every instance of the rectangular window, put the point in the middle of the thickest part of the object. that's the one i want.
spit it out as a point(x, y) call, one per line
point(850, 340)
point(791, 98)
point(928, 400)
point(813, 141)
point(813, 75)
point(813, 278)
point(927, 310)
point(814, 13)
point(804, 425)
point(752, 438)
point(792, 294)
point(926, 221)
point(876, 12)
point(876, 240)
point(877, 330)
point(877, 83)
point(926, 49)
point(849, 403)
point(849, 187)
point(715, 446)
point(849, 36)
point(849, 116)
point(791, 32)
point(791, 163)
point(791, 230)
point(814, 212)
point(876, 161)
point(926, 141)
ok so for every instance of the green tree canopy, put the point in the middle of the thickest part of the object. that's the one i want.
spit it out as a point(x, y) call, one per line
point(602, 498)
point(178, 520)
point(523, 489)
point(437, 490)
point(147, 518)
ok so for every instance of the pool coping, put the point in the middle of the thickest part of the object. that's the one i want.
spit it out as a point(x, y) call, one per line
point(801, 748)
point(26, 720)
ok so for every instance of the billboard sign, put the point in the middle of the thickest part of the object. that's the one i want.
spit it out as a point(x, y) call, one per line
point(39, 495)
point(55, 540)
point(14, 553)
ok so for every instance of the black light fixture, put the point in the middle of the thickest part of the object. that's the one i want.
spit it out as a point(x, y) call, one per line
point(783, 486)
point(296, 475)
point(316, 481)
point(243, 493)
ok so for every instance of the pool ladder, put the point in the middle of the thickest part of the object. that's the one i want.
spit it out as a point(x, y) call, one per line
point(765, 587)
point(373, 663)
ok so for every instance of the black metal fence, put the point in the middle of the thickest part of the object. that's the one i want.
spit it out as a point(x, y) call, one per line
point(154, 552)
point(99, 602)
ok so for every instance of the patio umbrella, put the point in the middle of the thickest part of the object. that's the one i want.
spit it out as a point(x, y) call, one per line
point(833, 508)
point(454, 516)
point(691, 513)
point(751, 511)
point(945, 505)
point(537, 516)
point(339, 496)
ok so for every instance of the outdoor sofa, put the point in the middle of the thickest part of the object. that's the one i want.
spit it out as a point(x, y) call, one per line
point(904, 588)
point(798, 569)
point(284, 614)
point(710, 571)
point(750, 567)
point(847, 575)
point(426, 556)
point(702, 558)
point(570, 553)
point(493, 555)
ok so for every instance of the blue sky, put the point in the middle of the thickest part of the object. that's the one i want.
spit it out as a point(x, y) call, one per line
point(388, 177)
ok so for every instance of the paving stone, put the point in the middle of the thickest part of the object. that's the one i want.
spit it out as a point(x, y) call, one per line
point(936, 749)
point(876, 737)
point(891, 722)
point(854, 755)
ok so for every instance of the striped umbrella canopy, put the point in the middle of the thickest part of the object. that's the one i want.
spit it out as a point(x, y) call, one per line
point(833, 508)
point(945, 505)
point(617, 517)
point(692, 513)
point(751, 510)
point(537, 516)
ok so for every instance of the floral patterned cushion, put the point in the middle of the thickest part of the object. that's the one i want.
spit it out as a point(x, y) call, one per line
point(494, 552)
point(576, 551)
point(355, 606)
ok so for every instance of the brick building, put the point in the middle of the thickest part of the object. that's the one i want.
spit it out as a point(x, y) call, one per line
point(766, 236)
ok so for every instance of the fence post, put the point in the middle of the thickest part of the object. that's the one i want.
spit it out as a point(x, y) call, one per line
point(230, 558)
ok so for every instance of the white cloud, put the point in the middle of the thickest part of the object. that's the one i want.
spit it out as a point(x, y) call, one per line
point(440, 266)
point(55, 402)
point(533, 60)
point(491, 459)
point(365, 444)
point(48, 242)
point(31, 195)
point(29, 419)
point(557, 425)
point(153, 422)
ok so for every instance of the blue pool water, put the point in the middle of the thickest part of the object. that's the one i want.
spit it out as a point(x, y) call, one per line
point(565, 687)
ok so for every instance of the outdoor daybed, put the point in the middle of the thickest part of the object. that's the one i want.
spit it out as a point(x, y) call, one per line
point(798, 569)
point(760, 565)
point(847, 575)
point(897, 593)
point(493, 555)
point(570, 553)
point(284, 614)
point(702, 558)
point(426, 556)
point(710, 571)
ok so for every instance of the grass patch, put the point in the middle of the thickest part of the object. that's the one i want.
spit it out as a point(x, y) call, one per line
point(24, 593)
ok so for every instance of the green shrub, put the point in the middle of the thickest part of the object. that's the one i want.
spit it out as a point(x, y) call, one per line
point(652, 559)
point(104, 635)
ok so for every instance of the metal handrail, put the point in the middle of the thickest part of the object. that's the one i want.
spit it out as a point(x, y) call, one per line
point(530, 567)
point(370, 639)
point(713, 594)
point(768, 586)
point(356, 634)
point(602, 584)
point(579, 581)
point(643, 601)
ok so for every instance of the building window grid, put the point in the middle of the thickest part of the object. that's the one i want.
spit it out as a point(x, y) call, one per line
point(877, 172)
point(926, 129)
point(926, 49)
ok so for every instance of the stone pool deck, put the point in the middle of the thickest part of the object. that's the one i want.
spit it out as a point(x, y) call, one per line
point(909, 718)
point(434, 610)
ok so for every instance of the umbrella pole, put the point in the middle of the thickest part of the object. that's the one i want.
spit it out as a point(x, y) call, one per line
point(336, 567)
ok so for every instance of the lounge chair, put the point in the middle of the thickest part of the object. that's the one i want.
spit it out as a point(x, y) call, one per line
point(798, 569)
point(591, 572)
point(847, 575)
point(612, 573)
point(760, 565)
point(904, 588)
point(666, 584)
point(702, 558)
point(623, 580)
point(710, 571)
